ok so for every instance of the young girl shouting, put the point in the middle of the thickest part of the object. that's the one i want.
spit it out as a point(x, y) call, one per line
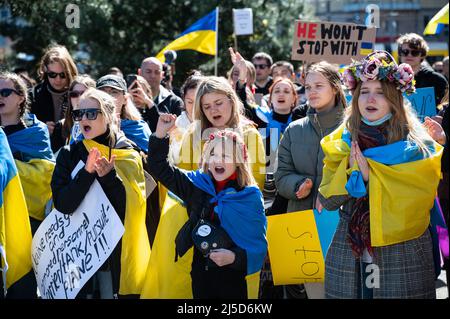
point(222, 199)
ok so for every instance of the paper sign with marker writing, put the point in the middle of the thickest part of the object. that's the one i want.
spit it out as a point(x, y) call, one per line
point(68, 249)
point(332, 42)
point(423, 102)
point(298, 243)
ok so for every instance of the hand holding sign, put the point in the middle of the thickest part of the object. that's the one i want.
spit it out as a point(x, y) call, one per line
point(435, 130)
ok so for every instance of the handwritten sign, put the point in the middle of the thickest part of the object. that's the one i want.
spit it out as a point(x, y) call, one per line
point(243, 21)
point(298, 243)
point(423, 102)
point(68, 249)
point(332, 42)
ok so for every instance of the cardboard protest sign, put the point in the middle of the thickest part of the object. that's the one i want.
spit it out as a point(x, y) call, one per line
point(423, 102)
point(298, 244)
point(68, 249)
point(243, 21)
point(332, 42)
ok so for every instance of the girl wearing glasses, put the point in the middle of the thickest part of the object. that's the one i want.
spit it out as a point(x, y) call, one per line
point(49, 99)
point(29, 141)
point(109, 157)
point(217, 107)
point(413, 49)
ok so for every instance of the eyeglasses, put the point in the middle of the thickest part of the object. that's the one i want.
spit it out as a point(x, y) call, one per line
point(75, 94)
point(53, 75)
point(414, 53)
point(261, 66)
point(7, 92)
point(91, 114)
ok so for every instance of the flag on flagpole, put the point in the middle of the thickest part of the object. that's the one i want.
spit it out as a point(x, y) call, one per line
point(436, 24)
point(201, 37)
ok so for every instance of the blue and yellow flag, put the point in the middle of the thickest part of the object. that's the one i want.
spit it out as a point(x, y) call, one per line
point(36, 166)
point(15, 230)
point(437, 23)
point(402, 184)
point(201, 37)
point(135, 244)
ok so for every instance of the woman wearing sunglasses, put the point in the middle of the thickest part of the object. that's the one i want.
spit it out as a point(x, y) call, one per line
point(49, 99)
point(110, 158)
point(413, 49)
point(29, 141)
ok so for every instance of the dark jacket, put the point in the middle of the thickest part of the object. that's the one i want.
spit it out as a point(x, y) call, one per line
point(165, 102)
point(42, 106)
point(68, 193)
point(427, 77)
point(206, 276)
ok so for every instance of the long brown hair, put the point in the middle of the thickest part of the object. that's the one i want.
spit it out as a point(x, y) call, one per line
point(59, 54)
point(403, 123)
point(331, 73)
point(21, 87)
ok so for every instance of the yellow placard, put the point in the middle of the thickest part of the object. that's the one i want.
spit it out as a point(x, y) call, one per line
point(294, 248)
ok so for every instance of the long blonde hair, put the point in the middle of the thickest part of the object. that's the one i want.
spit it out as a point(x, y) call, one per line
point(239, 151)
point(108, 108)
point(403, 123)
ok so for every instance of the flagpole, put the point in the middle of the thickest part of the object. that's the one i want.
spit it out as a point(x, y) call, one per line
point(217, 40)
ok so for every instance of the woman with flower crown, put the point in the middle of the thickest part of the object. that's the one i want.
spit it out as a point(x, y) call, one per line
point(382, 169)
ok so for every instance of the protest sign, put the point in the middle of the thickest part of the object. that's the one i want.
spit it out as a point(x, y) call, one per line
point(243, 21)
point(423, 102)
point(332, 42)
point(298, 243)
point(68, 249)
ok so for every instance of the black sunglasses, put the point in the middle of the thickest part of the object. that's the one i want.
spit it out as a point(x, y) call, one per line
point(7, 92)
point(261, 66)
point(75, 94)
point(53, 75)
point(414, 53)
point(91, 114)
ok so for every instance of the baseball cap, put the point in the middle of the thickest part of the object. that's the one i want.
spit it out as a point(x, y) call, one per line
point(113, 81)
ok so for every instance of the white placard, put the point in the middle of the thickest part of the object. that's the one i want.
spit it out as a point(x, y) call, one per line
point(243, 21)
point(67, 250)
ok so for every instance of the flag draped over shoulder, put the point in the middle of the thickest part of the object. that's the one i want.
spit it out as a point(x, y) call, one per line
point(37, 164)
point(437, 23)
point(201, 37)
point(402, 184)
point(135, 243)
point(15, 230)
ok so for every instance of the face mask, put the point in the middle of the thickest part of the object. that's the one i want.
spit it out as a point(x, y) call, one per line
point(377, 122)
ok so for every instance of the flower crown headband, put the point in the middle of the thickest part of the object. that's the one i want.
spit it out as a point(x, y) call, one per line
point(373, 68)
point(234, 137)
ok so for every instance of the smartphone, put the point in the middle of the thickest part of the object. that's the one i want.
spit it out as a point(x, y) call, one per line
point(130, 78)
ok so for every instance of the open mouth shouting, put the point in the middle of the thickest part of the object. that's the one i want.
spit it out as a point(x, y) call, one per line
point(86, 128)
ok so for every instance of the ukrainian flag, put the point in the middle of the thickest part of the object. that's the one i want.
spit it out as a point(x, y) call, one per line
point(201, 37)
point(366, 48)
point(436, 24)
point(36, 164)
point(15, 230)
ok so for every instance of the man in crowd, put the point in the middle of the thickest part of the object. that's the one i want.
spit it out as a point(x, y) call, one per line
point(262, 62)
point(413, 49)
point(162, 100)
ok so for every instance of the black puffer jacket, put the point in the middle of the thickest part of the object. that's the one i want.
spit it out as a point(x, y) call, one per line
point(68, 193)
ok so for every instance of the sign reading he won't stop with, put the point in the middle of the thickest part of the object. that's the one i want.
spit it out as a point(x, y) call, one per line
point(332, 42)
point(67, 250)
point(298, 244)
